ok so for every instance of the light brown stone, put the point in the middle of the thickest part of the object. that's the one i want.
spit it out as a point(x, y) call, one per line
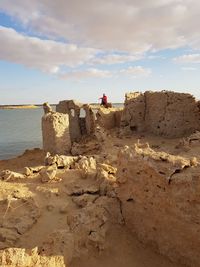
point(55, 131)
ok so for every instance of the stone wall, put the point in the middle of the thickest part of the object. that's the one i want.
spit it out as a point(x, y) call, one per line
point(134, 111)
point(81, 118)
point(163, 113)
point(109, 118)
point(72, 108)
point(55, 132)
point(160, 201)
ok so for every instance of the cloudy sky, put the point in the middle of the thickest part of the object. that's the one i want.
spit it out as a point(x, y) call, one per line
point(74, 49)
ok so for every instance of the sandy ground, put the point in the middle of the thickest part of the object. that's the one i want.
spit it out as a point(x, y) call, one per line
point(32, 211)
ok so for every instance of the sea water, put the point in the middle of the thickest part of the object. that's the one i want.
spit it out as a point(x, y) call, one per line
point(20, 129)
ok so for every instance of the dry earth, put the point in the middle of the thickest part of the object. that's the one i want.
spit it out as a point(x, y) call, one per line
point(69, 214)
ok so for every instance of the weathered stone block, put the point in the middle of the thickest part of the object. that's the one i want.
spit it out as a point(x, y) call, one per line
point(55, 131)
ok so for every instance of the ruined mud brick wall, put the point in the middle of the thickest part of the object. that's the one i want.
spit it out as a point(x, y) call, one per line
point(160, 201)
point(55, 133)
point(134, 111)
point(163, 113)
point(79, 125)
point(109, 118)
point(89, 119)
point(71, 108)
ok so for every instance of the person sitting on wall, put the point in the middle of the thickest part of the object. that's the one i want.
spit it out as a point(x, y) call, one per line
point(104, 101)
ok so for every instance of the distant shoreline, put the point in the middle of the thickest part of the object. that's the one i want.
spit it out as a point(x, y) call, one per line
point(26, 106)
point(18, 106)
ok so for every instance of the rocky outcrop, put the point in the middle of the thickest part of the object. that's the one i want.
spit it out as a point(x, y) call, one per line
point(160, 200)
point(163, 113)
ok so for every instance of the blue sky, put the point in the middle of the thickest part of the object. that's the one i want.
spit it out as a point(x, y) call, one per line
point(76, 49)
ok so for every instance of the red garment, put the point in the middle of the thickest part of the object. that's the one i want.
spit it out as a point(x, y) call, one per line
point(104, 99)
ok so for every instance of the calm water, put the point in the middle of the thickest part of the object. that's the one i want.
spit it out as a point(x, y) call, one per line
point(20, 129)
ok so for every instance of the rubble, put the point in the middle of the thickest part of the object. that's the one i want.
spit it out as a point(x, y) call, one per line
point(7, 175)
point(48, 173)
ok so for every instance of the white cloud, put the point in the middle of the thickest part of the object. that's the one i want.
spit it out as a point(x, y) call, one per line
point(136, 71)
point(132, 72)
point(84, 74)
point(116, 58)
point(130, 25)
point(45, 55)
point(188, 68)
point(190, 58)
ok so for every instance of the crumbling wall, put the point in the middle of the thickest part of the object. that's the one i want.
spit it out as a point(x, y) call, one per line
point(89, 119)
point(72, 108)
point(134, 111)
point(171, 114)
point(55, 133)
point(163, 113)
point(109, 118)
point(160, 201)
point(79, 125)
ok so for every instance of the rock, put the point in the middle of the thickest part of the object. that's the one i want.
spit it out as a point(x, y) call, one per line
point(50, 207)
point(28, 258)
point(85, 221)
point(48, 174)
point(88, 167)
point(7, 175)
point(61, 161)
point(20, 214)
point(8, 237)
point(84, 199)
point(64, 209)
point(28, 171)
point(59, 242)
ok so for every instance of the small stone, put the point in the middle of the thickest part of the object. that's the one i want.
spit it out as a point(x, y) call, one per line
point(48, 174)
point(64, 209)
point(50, 207)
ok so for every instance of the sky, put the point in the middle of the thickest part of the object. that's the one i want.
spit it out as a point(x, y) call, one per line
point(74, 49)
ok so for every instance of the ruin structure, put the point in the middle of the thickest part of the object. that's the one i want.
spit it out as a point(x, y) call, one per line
point(99, 189)
point(55, 133)
point(163, 113)
point(109, 118)
point(81, 118)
